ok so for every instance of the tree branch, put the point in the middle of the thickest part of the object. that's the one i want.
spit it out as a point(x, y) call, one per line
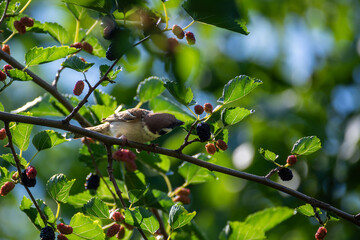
point(49, 88)
point(7, 117)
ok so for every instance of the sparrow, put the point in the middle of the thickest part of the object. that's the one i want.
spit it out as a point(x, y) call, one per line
point(137, 125)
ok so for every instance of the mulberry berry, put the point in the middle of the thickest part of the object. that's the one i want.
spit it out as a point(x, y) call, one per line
point(291, 160)
point(110, 53)
point(27, 181)
point(190, 38)
point(31, 172)
point(7, 67)
point(182, 198)
point(87, 47)
point(285, 174)
point(2, 134)
point(79, 87)
point(117, 217)
point(203, 131)
point(113, 230)
point(208, 107)
point(92, 181)
point(47, 233)
point(321, 233)
point(20, 27)
point(28, 22)
point(210, 148)
point(6, 188)
point(76, 45)
point(2, 76)
point(198, 109)
point(6, 48)
point(64, 229)
point(178, 31)
point(182, 191)
point(221, 145)
point(121, 233)
point(62, 237)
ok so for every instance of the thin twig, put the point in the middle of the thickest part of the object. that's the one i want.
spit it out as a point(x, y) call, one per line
point(57, 76)
point(107, 140)
point(161, 222)
point(186, 139)
point(274, 170)
point(317, 216)
point(17, 162)
point(5, 10)
point(111, 175)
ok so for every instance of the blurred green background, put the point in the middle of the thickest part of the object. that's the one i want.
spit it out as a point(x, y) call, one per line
point(307, 55)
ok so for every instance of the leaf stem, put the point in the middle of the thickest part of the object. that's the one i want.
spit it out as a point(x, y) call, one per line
point(28, 164)
point(57, 211)
point(167, 181)
point(189, 25)
point(11, 35)
point(25, 6)
point(139, 104)
point(77, 29)
point(166, 15)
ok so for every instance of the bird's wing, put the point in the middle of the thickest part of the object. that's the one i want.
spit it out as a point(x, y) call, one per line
point(130, 115)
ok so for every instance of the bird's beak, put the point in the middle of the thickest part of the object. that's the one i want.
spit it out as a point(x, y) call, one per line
point(178, 123)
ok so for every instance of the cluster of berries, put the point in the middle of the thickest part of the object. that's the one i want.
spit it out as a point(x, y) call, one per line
point(182, 195)
point(285, 173)
point(126, 156)
point(83, 45)
point(28, 178)
point(208, 108)
point(21, 25)
point(180, 34)
point(5, 72)
point(117, 228)
point(321, 233)
point(92, 181)
point(220, 144)
point(64, 230)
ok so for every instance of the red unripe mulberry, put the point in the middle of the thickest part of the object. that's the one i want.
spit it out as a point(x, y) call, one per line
point(6, 188)
point(79, 87)
point(210, 148)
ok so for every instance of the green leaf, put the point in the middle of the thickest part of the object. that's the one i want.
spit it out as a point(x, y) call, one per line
point(306, 145)
point(104, 6)
point(159, 200)
point(75, 63)
point(180, 93)
point(112, 74)
point(149, 89)
point(269, 218)
point(41, 55)
point(77, 11)
point(97, 208)
point(98, 152)
point(100, 111)
point(142, 218)
point(98, 49)
point(306, 210)
point(102, 98)
point(5, 176)
point(21, 135)
point(332, 217)
point(223, 14)
point(10, 159)
point(80, 199)
point(241, 231)
point(159, 162)
point(194, 174)
point(231, 116)
point(237, 88)
point(46, 210)
point(1, 107)
point(135, 180)
point(136, 194)
point(85, 228)
point(268, 155)
point(59, 187)
point(19, 75)
point(179, 216)
point(57, 31)
point(163, 104)
point(47, 139)
point(31, 212)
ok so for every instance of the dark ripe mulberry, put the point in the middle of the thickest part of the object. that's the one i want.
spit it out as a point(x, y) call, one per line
point(110, 53)
point(285, 174)
point(28, 22)
point(121, 233)
point(28, 182)
point(20, 27)
point(203, 131)
point(47, 233)
point(62, 237)
point(92, 181)
point(113, 230)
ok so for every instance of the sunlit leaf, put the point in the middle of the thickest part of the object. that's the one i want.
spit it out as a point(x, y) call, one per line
point(180, 93)
point(47, 139)
point(194, 174)
point(59, 187)
point(268, 155)
point(21, 135)
point(104, 6)
point(179, 216)
point(306, 145)
point(10, 159)
point(19, 75)
point(149, 89)
point(39, 55)
point(142, 218)
point(241, 231)
point(85, 228)
point(58, 32)
point(231, 116)
point(97, 208)
point(75, 63)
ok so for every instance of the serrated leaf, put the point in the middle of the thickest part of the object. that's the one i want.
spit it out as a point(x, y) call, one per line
point(77, 11)
point(59, 187)
point(98, 49)
point(104, 6)
point(112, 74)
point(142, 218)
point(85, 228)
point(268, 155)
point(306, 210)
point(180, 93)
point(136, 194)
point(21, 135)
point(75, 63)
point(231, 116)
point(237, 88)
point(39, 55)
point(46, 210)
point(163, 104)
point(179, 216)
point(47, 139)
point(19, 75)
point(31, 212)
point(80, 199)
point(10, 159)
point(97, 208)
point(149, 89)
point(332, 217)
point(241, 231)
point(223, 14)
point(135, 180)
point(194, 174)
point(57, 31)
point(269, 218)
point(306, 145)
point(100, 112)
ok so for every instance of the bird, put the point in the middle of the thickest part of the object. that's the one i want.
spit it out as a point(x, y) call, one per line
point(137, 125)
